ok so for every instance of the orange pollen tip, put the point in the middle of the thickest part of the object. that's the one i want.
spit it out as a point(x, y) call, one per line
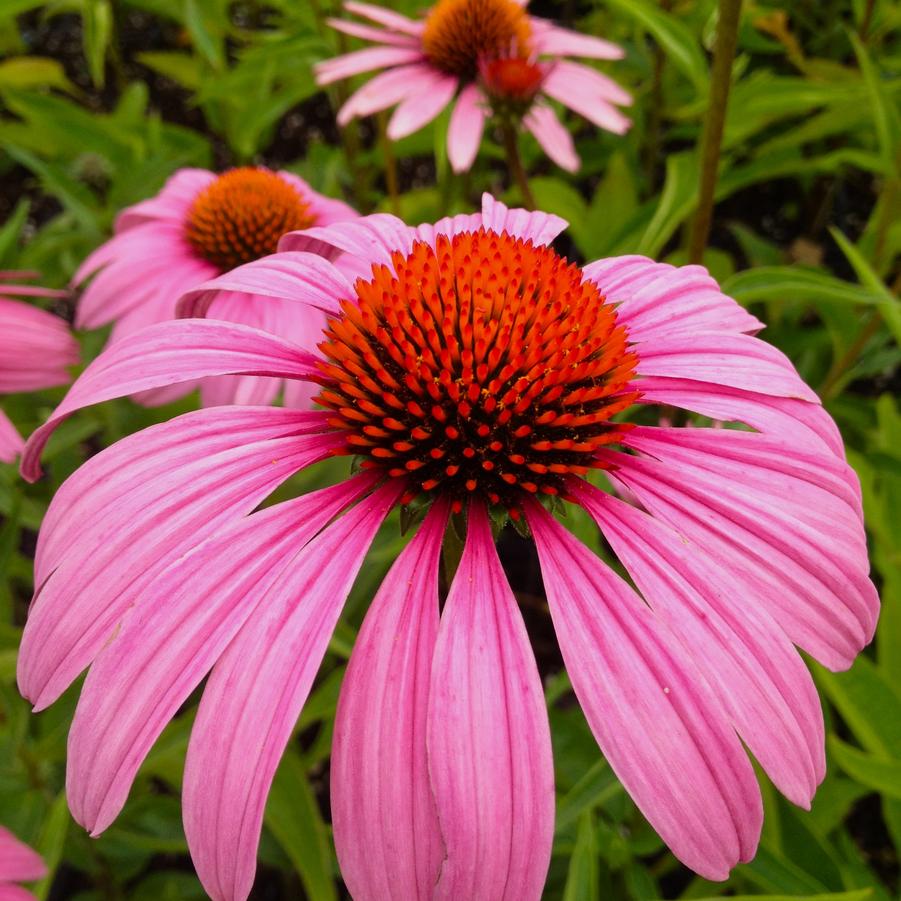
point(514, 327)
point(241, 215)
point(460, 33)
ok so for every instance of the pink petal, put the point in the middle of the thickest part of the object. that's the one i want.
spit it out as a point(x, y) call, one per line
point(18, 862)
point(325, 210)
point(383, 16)
point(467, 123)
point(744, 655)
point(11, 442)
point(785, 523)
point(537, 227)
point(657, 722)
point(36, 348)
point(551, 40)
point(382, 91)
point(134, 528)
point(383, 816)
point(808, 425)
point(299, 277)
point(15, 893)
point(552, 135)
point(434, 93)
point(592, 83)
point(255, 694)
point(187, 617)
point(489, 745)
point(371, 239)
point(368, 33)
point(735, 361)
point(583, 95)
point(656, 300)
point(166, 354)
point(173, 201)
point(359, 61)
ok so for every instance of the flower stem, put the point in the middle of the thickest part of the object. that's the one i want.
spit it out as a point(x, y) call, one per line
point(831, 383)
point(390, 161)
point(514, 161)
point(712, 138)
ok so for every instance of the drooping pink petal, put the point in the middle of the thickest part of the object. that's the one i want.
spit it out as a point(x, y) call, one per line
point(371, 239)
point(383, 16)
point(489, 745)
point(377, 35)
point(11, 442)
point(15, 893)
point(659, 725)
point(656, 300)
point(172, 203)
point(735, 361)
point(551, 40)
point(382, 91)
point(552, 135)
point(83, 601)
point(537, 227)
point(766, 512)
point(255, 694)
point(299, 277)
point(186, 618)
point(36, 348)
point(166, 354)
point(366, 60)
point(808, 425)
point(582, 94)
point(467, 124)
point(383, 815)
point(77, 511)
point(744, 655)
point(325, 210)
point(416, 110)
point(18, 862)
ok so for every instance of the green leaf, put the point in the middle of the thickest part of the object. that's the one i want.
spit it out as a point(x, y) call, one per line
point(859, 895)
point(97, 28)
point(33, 72)
point(878, 773)
point(51, 841)
point(11, 229)
point(884, 109)
point(583, 879)
point(676, 39)
point(782, 283)
point(676, 203)
point(182, 68)
point(199, 16)
point(598, 785)
point(293, 817)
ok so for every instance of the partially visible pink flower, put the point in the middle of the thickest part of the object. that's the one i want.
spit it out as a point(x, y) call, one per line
point(36, 351)
point(18, 863)
point(473, 370)
point(489, 54)
point(199, 226)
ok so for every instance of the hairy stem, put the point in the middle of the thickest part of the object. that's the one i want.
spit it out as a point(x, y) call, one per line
point(712, 137)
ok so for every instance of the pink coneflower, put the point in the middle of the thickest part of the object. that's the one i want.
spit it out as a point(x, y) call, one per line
point(199, 226)
point(18, 863)
point(36, 351)
point(478, 374)
point(489, 54)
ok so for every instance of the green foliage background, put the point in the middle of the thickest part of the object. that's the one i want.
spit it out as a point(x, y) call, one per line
point(100, 100)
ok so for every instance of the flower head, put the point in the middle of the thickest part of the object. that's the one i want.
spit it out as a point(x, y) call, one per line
point(18, 863)
point(36, 350)
point(473, 369)
point(493, 57)
point(200, 226)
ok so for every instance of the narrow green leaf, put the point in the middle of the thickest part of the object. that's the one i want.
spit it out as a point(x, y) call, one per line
point(33, 72)
point(878, 773)
point(97, 29)
point(583, 879)
point(884, 109)
point(858, 895)
point(293, 818)
point(51, 841)
point(781, 283)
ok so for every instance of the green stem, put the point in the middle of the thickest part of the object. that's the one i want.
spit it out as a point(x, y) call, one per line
point(838, 369)
point(514, 161)
point(712, 137)
point(390, 161)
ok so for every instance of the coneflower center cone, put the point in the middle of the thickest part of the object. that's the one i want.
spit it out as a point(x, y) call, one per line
point(485, 364)
point(241, 215)
point(460, 33)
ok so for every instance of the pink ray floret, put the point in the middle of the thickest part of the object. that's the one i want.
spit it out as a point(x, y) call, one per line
point(198, 227)
point(18, 863)
point(487, 57)
point(474, 374)
point(37, 350)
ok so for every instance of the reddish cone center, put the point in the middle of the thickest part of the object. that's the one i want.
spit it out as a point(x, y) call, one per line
point(459, 33)
point(513, 79)
point(485, 365)
point(241, 215)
